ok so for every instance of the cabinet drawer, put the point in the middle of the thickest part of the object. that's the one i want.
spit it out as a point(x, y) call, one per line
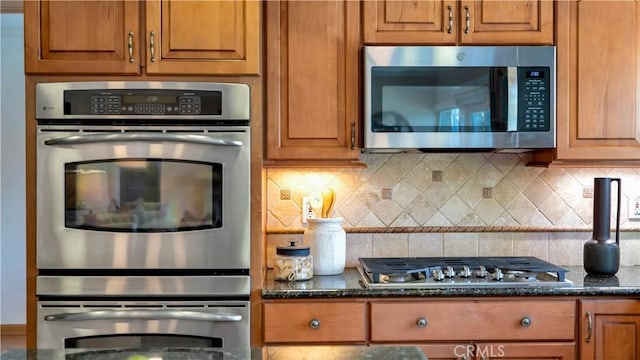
point(314, 322)
point(473, 320)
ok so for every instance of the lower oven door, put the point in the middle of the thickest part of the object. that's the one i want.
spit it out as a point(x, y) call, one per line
point(222, 325)
point(146, 197)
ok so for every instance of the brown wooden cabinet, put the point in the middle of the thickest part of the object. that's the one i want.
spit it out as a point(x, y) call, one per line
point(479, 320)
point(449, 22)
point(314, 322)
point(609, 329)
point(454, 328)
point(109, 37)
point(501, 350)
point(598, 80)
point(312, 82)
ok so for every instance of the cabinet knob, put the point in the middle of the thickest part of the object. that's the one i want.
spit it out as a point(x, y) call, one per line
point(314, 323)
point(525, 322)
point(422, 323)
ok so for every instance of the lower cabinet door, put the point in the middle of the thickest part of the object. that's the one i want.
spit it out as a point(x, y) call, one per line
point(313, 322)
point(524, 351)
point(500, 350)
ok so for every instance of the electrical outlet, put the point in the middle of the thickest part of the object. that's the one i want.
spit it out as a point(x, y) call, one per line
point(307, 211)
point(634, 207)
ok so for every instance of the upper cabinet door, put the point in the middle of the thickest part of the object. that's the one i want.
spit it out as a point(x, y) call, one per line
point(88, 37)
point(437, 22)
point(598, 72)
point(506, 22)
point(203, 37)
point(410, 22)
point(312, 81)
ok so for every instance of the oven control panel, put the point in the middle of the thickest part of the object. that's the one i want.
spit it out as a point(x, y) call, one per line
point(142, 102)
point(109, 104)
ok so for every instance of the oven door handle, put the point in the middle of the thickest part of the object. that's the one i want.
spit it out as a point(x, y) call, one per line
point(143, 315)
point(94, 138)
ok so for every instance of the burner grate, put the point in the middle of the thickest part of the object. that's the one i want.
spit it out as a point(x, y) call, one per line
point(379, 269)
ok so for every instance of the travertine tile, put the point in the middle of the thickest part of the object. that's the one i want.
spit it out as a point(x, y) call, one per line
point(353, 211)
point(565, 249)
point(504, 162)
point(437, 193)
point(488, 210)
point(421, 210)
point(554, 209)
point(495, 244)
point(404, 220)
point(390, 245)
point(471, 192)
point(522, 196)
point(460, 244)
point(505, 192)
point(537, 192)
point(488, 175)
point(455, 176)
point(387, 211)
point(358, 245)
point(531, 244)
point(455, 210)
point(405, 193)
point(426, 244)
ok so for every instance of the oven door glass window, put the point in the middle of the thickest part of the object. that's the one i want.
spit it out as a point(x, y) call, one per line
point(143, 195)
point(439, 99)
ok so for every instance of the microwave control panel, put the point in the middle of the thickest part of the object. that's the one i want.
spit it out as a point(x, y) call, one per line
point(533, 99)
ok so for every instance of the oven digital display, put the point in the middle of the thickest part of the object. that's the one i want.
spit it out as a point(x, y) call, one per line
point(155, 99)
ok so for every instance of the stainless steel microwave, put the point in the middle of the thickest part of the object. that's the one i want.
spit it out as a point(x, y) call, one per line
point(459, 98)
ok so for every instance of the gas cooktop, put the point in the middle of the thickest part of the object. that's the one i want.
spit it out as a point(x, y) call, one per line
point(444, 272)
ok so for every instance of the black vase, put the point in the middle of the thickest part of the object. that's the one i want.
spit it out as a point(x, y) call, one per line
point(601, 254)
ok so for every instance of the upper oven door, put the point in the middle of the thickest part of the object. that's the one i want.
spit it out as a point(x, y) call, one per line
point(148, 198)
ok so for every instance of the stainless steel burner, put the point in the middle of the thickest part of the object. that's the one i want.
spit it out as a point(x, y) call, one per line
point(460, 272)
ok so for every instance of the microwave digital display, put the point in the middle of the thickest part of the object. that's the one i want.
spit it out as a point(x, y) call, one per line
point(534, 74)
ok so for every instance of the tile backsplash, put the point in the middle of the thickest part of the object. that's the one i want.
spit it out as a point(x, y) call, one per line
point(485, 191)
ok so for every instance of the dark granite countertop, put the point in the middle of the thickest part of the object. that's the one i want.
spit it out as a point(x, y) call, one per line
point(308, 352)
point(625, 283)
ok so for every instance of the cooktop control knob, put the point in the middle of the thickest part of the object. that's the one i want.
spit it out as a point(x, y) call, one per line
point(450, 272)
point(437, 274)
point(481, 272)
point(497, 274)
point(465, 272)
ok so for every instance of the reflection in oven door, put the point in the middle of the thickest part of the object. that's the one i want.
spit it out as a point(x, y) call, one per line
point(220, 325)
point(149, 198)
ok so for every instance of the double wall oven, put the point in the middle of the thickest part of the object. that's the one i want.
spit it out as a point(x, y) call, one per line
point(143, 215)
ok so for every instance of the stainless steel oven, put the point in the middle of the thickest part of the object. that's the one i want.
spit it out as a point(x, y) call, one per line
point(128, 180)
point(143, 213)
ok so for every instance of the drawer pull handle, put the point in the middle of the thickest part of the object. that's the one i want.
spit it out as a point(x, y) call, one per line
point(422, 323)
point(589, 327)
point(468, 20)
point(314, 323)
point(525, 322)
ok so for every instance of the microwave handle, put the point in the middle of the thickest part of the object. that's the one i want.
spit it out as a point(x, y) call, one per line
point(512, 99)
point(142, 315)
point(115, 137)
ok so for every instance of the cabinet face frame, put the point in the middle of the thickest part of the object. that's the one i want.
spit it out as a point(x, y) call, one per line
point(609, 328)
point(596, 134)
point(176, 52)
point(450, 22)
point(71, 51)
point(315, 123)
point(125, 46)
